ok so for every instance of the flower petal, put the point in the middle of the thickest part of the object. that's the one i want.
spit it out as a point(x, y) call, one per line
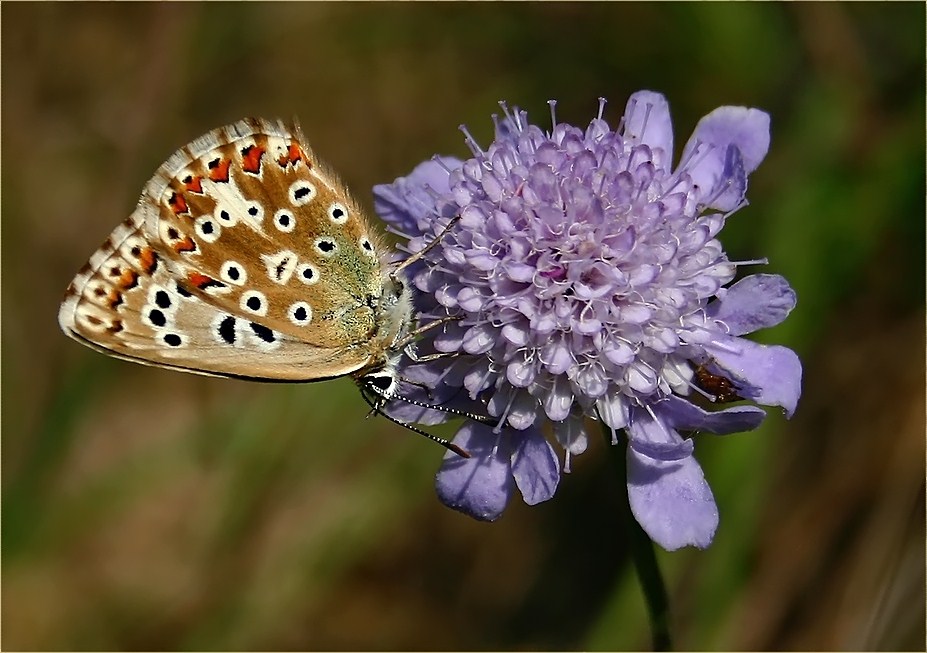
point(612, 409)
point(655, 439)
point(571, 434)
point(671, 501)
point(480, 486)
point(713, 163)
point(753, 303)
point(535, 466)
point(406, 204)
point(647, 120)
point(678, 413)
point(559, 400)
point(767, 374)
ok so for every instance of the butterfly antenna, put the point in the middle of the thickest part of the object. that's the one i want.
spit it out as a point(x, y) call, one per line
point(483, 419)
point(463, 453)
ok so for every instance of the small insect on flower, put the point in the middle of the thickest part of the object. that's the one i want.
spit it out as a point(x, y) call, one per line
point(721, 389)
point(588, 283)
point(247, 258)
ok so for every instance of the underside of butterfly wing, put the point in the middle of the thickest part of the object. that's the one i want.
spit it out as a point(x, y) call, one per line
point(244, 257)
point(131, 307)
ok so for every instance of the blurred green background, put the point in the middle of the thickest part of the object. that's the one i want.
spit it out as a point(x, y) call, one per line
point(145, 509)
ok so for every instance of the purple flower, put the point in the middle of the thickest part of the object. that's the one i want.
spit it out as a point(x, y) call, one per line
point(589, 283)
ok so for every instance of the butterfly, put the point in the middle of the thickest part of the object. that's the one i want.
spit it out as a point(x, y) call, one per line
point(246, 257)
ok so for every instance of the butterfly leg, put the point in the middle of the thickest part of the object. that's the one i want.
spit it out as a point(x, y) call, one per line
point(427, 248)
point(406, 340)
point(427, 358)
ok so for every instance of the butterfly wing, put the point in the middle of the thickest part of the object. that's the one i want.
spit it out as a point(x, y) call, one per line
point(244, 257)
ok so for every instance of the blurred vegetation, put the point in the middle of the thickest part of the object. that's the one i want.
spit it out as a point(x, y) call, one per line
point(144, 509)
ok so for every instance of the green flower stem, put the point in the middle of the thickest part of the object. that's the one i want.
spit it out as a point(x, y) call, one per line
point(642, 553)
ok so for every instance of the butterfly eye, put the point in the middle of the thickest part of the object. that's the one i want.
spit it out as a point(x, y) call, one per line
point(233, 272)
point(254, 302)
point(308, 274)
point(325, 246)
point(382, 383)
point(284, 220)
point(208, 229)
point(301, 192)
point(338, 213)
point(366, 246)
point(300, 314)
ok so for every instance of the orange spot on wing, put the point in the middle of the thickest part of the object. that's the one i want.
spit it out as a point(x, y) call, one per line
point(198, 279)
point(114, 298)
point(148, 260)
point(219, 170)
point(185, 245)
point(193, 184)
point(203, 281)
point(178, 204)
point(128, 279)
point(294, 154)
point(251, 158)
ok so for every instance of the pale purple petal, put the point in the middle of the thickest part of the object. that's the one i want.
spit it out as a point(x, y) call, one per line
point(727, 145)
point(482, 485)
point(613, 410)
point(753, 303)
point(678, 413)
point(535, 466)
point(407, 204)
point(655, 439)
point(746, 128)
point(672, 501)
point(571, 434)
point(767, 374)
point(647, 121)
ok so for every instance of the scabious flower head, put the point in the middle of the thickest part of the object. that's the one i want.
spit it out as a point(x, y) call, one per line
point(588, 282)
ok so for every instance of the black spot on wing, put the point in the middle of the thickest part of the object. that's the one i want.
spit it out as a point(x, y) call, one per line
point(157, 318)
point(227, 330)
point(263, 332)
